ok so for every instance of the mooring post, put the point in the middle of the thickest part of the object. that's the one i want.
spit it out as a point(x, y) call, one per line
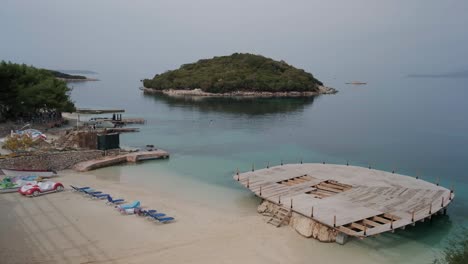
point(334, 221)
point(451, 192)
point(312, 212)
point(291, 203)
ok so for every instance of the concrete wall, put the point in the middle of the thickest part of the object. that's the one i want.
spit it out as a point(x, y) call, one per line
point(53, 161)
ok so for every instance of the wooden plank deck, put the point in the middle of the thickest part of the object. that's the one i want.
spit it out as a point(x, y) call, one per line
point(355, 200)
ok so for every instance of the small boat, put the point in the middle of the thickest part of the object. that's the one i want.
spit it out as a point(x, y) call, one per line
point(41, 173)
point(7, 185)
point(9, 190)
point(356, 83)
point(40, 188)
point(14, 184)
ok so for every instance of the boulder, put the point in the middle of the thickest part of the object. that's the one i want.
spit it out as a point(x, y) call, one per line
point(267, 208)
point(309, 228)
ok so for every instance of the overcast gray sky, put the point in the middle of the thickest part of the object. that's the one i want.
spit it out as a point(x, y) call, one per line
point(325, 37)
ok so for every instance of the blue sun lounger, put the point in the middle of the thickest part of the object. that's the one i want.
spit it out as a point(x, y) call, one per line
point(114, 201)
point(91, 192)
point(79, 189)
point(146, 212)
point(133, 205)
point(99, 196)
point(162, 218)
point(165, 220)
point(157, 216)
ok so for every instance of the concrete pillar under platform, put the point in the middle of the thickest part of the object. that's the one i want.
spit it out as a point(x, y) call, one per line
point(341, 238)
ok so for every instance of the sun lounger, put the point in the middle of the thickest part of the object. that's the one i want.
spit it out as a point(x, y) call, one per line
point(157, 216)
point(91, 192)
point(142, 212)
point(162, 218)
point(99, 196)
point(135, 204)
point(165, 219)
point(114, 201)
point(79, 189)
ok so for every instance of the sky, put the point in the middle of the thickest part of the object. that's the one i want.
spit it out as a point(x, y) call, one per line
point(345, 38)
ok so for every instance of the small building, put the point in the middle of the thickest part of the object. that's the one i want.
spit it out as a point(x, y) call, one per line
point(108, 141)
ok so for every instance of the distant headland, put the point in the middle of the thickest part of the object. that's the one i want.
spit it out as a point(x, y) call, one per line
point(69, 77)
point(455, 74)
point(240, 74)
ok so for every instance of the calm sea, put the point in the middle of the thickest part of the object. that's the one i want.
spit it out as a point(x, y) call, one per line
point(414, 126)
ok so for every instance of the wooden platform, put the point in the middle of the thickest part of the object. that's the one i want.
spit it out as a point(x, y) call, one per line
point(118, 159)
point(126, 121)
point(356, 201)
point(98, 111)
point(123, 130)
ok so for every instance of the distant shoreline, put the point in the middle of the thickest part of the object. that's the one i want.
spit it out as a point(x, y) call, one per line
point(199, 92)
point(78, 80)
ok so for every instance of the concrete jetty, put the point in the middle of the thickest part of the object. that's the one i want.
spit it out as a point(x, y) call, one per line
point(131, 157)
point(90, 111)
point(352, 201)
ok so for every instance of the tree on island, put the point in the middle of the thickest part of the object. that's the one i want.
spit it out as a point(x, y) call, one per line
point(237, 72)
point(25, 90)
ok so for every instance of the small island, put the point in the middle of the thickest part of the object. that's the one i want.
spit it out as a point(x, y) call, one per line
point(240, 74)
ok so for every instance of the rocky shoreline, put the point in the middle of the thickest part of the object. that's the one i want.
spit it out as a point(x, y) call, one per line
point(199, 92)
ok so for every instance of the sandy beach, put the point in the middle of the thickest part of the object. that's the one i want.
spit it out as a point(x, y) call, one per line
point(68, 227)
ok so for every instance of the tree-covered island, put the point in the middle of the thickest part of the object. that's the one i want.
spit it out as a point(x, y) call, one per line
point(237, 74)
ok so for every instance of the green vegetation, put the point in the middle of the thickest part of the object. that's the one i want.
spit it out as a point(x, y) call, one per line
point(457, 250)
point(66, 76)
point(238, 72)
point(25, 90)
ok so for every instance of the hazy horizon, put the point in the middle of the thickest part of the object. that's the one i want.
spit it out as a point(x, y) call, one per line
point(337, 38)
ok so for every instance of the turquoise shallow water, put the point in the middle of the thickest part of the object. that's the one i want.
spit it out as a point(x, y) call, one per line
point(404, 124)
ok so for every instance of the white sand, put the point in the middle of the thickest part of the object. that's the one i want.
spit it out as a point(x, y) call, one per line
point(68, 227)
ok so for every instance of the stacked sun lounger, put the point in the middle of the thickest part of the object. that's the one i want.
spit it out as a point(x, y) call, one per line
point(130, 208)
